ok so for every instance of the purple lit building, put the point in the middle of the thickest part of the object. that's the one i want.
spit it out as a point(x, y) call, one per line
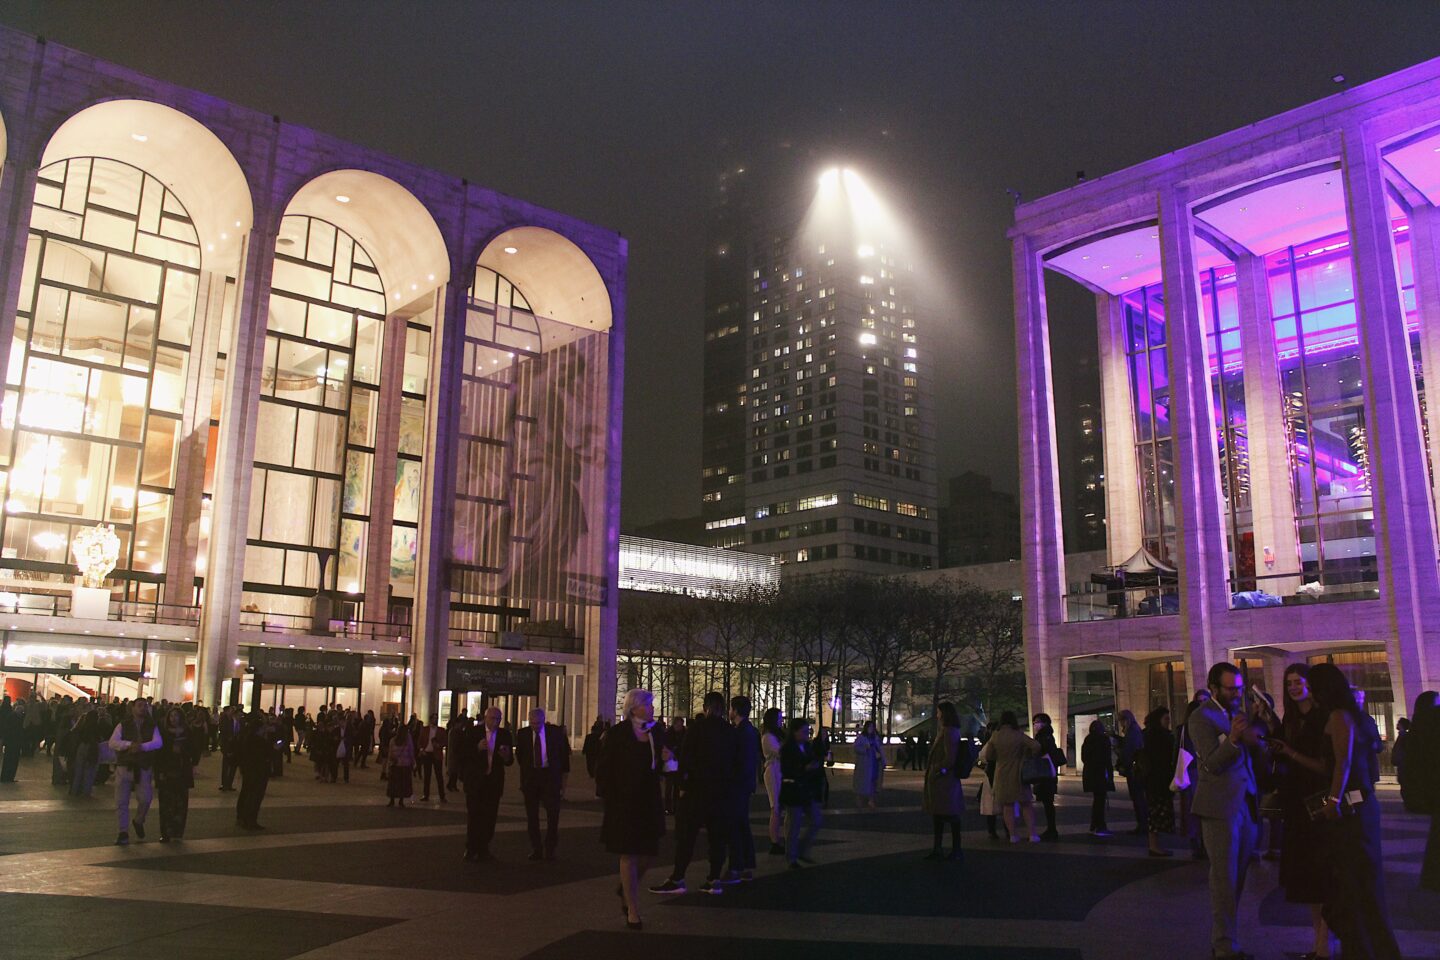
point(1267, 308)
point(355, 423)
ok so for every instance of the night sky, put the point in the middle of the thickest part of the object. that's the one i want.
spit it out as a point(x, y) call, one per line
point(623, 113)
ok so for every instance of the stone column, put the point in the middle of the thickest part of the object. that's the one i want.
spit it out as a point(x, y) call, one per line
point(430, 627)
point(1123, 527)
point(1042, 548)
point(1404, 520)
point(601, 647)
point(1425, 256)
point(376, 585)
point(183, 541)
point(1200, 517)
point(1272, 502)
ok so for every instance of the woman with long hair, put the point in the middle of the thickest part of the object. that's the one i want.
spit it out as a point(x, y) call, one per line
point(1302, 868)
point(1348, 818)
point(945, 784)
point(175, 774)
point(633, 759)
point(1417, 767)
point(772, 738)
point(1046, 790)
point(1007, 749)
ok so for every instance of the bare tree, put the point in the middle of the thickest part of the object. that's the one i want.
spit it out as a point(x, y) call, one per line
point(875, 612)
point(997, 658)
point(939, 620)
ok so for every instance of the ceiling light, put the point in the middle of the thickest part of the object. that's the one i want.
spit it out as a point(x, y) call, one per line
point(139, 137)
point(512, 250)
point(341, 198)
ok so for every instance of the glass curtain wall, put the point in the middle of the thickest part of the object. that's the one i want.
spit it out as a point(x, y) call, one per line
point(409, 460)
point(1405, 264)
point(96, 379)
point(1312, 302)
point(315, 441)
point(1220, 314)
point(1147, 354)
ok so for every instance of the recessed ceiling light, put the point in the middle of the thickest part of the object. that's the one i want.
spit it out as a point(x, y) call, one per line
point(139, 137)
point(1084, 258)
point(341, 198)
point(511, 250)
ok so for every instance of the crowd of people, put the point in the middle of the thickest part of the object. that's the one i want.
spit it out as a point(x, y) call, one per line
point(1237, 763)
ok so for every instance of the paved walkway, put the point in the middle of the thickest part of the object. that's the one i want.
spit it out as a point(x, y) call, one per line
point(339, 876)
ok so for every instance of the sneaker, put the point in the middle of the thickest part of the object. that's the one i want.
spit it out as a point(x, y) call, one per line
point(729, 878)
point(122, 840)
point(711, 886)
point(139, 826)
point(669, 887)
point(1101, 833)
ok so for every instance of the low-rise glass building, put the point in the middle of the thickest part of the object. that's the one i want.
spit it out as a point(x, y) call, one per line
point(1266, 317)
point(327, 400)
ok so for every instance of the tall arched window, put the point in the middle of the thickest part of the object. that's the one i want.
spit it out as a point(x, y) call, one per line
point(315, 440)
point(96, 379)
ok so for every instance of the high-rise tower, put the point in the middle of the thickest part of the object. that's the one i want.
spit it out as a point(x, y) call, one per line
point(838, 468)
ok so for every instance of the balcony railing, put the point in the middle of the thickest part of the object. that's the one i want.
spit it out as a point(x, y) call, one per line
point(1152, 601)
point(532, 642)
point(299, 624)
point(1298, 589)
point(46, 604)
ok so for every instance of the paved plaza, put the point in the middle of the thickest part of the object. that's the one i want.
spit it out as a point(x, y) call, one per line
point(337, 874)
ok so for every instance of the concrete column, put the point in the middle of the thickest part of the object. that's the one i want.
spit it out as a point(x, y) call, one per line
point(1272, 502)
point(1123, 526)
point(430, 629)
point(1404, 520)
point(234, 471)
point(601, 647)
point(1041, 540)
point(1200, 518)
point(376, 586)
point(1425, 256)
point(183, 541)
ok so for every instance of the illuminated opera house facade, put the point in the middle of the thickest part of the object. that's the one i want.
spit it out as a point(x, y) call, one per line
point(1267, 307)
point(355, 423)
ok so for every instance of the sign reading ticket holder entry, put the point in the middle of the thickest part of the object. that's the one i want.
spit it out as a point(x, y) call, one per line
point(306, 668)
point(493, 678)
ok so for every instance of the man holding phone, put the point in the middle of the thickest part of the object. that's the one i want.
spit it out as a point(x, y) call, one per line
point(488, 751)
point(1225, 798)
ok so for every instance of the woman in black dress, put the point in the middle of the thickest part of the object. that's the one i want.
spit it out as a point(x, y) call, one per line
point(633, 758)
point(1302, 870)
point(1045, 790)
point(1348, 833)
point(1155, 765)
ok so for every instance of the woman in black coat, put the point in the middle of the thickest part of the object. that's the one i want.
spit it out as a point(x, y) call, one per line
point(633, 759)
point(175, 774)
point(1045, 790)
point(1098, 778)
point(1155, 765)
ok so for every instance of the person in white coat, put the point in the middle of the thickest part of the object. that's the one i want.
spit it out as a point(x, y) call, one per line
point(135, 740)
point(869, 766)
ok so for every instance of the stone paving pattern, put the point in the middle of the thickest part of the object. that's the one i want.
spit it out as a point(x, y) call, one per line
point(337, 874)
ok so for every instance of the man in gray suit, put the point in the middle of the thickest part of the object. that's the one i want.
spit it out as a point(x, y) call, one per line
point(1225, 799)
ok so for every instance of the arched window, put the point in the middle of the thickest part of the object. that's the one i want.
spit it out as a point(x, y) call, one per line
point(96, 381)
point(316, 435)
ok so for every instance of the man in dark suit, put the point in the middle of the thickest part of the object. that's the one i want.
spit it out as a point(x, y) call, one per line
point(488, 750)
point(747, 774)
point(708, 761)
point(543, 752)
point(1225, 799)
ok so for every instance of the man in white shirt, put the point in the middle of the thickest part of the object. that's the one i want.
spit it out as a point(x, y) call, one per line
point(543, 752)
point(134, 740)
